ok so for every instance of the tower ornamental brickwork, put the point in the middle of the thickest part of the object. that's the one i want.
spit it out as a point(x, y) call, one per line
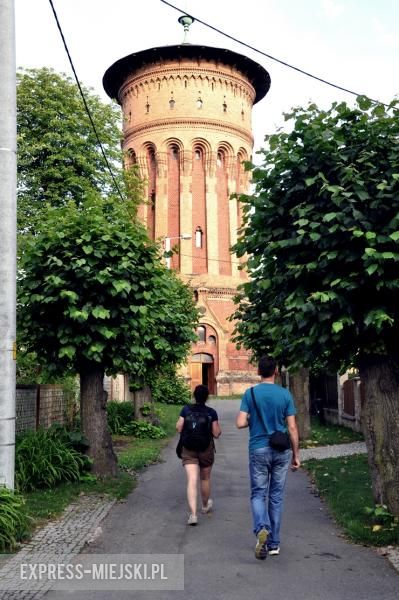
point(187, 124)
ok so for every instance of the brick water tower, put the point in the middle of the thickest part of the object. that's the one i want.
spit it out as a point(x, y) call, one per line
point(187, 124)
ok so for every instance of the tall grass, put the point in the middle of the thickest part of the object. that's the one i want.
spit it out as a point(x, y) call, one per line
point(43, 460)
point(13, 519)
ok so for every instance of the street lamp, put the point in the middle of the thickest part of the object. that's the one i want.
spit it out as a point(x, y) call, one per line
point(167, 240)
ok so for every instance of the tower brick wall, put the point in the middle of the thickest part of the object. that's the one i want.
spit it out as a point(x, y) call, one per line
point(187, 124)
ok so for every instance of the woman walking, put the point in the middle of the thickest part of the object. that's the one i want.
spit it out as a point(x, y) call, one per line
point(198, 425)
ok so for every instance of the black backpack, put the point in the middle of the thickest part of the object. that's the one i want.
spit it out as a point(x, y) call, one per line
point(197, 430)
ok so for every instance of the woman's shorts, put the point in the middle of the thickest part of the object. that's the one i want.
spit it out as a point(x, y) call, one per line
point(203, 459)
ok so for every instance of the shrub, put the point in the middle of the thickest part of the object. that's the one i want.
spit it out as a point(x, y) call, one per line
point(169, 388)
point(13, 519)
point(121, 421)
point(73, 439)
point(143, 430)
point(119, 414)
point(42, 459)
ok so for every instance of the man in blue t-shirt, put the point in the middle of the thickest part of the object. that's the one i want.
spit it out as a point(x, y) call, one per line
point(274, 410)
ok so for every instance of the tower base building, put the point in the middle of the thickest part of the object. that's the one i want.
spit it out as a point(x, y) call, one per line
point(187, 125)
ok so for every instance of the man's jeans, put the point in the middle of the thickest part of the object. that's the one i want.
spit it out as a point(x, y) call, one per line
point(268, 471)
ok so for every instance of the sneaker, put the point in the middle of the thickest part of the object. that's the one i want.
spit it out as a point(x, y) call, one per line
point(274, 551)
point(206, 509)
point(260, 548)
point(192, 519)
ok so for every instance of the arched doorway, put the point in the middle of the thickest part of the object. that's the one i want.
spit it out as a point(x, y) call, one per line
point(202, 371)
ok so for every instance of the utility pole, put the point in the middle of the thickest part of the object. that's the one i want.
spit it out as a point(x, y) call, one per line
point(8, 241)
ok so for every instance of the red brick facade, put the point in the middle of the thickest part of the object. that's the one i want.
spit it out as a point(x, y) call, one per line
point(187, 123)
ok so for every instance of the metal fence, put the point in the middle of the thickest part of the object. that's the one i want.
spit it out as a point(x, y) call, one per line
point(41, 406)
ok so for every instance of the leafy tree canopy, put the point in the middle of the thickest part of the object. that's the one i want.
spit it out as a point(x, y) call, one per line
point(93, 291)
point(321, 232)
point(59, 157)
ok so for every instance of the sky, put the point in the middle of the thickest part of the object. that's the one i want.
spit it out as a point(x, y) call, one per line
point(353, 43)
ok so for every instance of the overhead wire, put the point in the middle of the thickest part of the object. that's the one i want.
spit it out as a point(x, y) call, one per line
point(278, 60)
point(95, 130)
point(217, 30)
point(85, 101)
point(232, 262)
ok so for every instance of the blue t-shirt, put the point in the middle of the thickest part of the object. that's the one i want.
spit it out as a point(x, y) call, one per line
point(207, 409)
point(274, 403)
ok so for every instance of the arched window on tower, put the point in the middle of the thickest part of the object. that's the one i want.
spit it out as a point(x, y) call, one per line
point(173, 191)
point(152, 183)
point(223, 210)
point(201, 333)
point(199, 217)
point(198, 237)
point(130, 158)
point(240, 189)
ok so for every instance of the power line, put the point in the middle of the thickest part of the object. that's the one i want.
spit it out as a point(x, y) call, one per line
point(85, 102)
point(281, 62)
point(232, 262)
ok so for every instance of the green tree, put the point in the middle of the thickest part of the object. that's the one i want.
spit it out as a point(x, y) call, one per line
point(321, 232)
point(94, 298)
point(59, 157)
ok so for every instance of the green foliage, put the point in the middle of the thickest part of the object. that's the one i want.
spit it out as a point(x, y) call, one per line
point(58, 154)
point(121, 421)
point(147, 409)
point(13, 519)
point(321, 232)
point(43, 459)
point(49, 502)
point(93, 290)
point(119, 415)
point(143, 430)
point(71, 439)
point(326, 435)
point(137, 453)
point(27, 368)
point(168, 387)
point(382, 518)
point(345, 484)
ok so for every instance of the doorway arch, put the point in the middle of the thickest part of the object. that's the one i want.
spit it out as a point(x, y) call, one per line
point(202, 371)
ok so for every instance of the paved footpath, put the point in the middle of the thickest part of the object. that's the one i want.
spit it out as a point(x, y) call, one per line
point(316, 562)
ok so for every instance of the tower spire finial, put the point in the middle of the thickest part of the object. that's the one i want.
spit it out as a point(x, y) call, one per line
point(186, 21)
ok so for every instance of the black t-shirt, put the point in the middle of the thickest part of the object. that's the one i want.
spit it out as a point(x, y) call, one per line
point(200, 407)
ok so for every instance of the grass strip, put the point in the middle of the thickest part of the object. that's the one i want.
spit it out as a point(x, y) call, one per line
point(133, 455)
point(345, 485)
point(329, 435)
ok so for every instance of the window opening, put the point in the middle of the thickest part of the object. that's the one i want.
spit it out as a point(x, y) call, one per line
point(201, 332)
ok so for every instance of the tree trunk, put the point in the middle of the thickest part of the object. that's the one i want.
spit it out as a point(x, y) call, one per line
point(380, 377)
point(93, 410)
point(142, 396)
point(299, 388)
